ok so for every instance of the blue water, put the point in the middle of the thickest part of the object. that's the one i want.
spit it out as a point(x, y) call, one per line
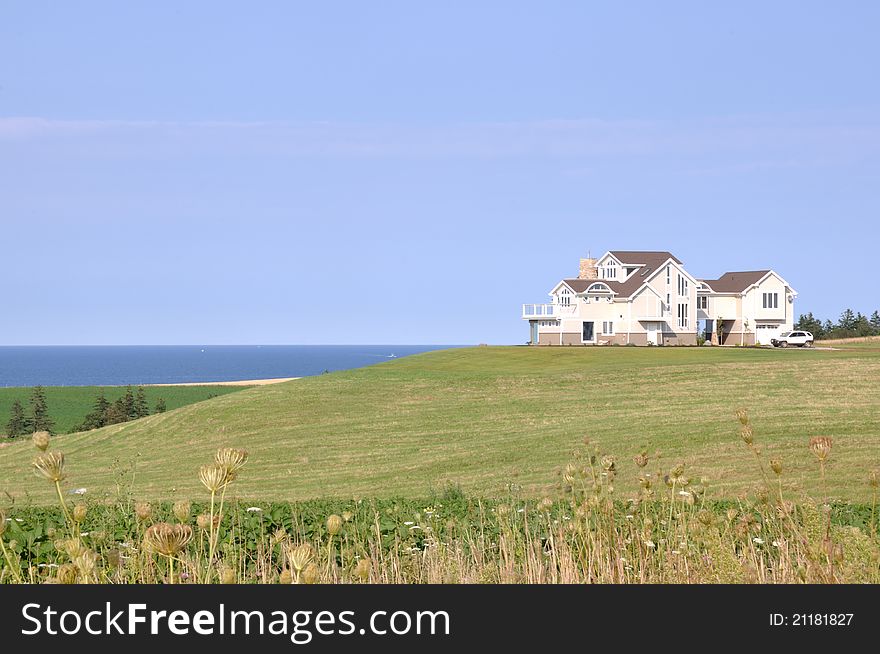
point(154, 364)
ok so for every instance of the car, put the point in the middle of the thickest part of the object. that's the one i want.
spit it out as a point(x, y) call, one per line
point(797, 337)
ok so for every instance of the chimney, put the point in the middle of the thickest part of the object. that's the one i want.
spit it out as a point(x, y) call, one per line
point(588, 269)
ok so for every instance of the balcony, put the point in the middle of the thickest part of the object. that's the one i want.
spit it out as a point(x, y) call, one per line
point(535, 311)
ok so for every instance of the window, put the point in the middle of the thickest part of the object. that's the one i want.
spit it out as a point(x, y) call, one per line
point(608, 328)
point(683, 316)
point(669, 302)
point(610, 271)
point(770, 300)
point(703, 302)
point(565, 297)
point(668, 275)
point(682, 285)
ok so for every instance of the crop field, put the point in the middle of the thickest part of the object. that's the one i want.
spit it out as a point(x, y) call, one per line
point(495, 421)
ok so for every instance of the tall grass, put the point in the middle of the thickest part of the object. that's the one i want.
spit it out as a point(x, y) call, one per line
point(671, 531)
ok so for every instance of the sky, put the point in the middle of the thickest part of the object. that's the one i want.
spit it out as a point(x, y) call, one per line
point(398, 172)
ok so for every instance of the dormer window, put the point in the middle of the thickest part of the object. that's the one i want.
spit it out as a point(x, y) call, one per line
point(565, 297)
point(598, 287)
point(609, 270)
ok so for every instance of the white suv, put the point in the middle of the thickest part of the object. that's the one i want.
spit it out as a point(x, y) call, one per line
point(799, 338)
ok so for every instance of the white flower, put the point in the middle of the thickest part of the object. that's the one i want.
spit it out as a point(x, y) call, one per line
point(254, 509)
point(77, 491)
point(775, 543)
point(650, 544)
point(409, 522)
point(758, 541)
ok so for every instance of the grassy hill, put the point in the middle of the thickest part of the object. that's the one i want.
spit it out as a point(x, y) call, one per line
point(68, 405)
point(497, 419)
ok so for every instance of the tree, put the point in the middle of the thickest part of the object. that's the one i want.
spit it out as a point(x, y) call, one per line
point(40, 420)
point(97, 417)
point(18, 423)
point(847, 321)
point(127, 406)
point(861, 326)
point(810, 324)
point(160, 405)
point(141, 408)
point(875, 322)
point(116, 413)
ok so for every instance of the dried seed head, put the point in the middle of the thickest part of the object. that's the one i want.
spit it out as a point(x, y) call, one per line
point(300, 556)
point(79, 512)
point(50, 465)
point(286, 577)
point(204, 521)
point(706, 517)
point(67, 574)
point(874, 479)
point(545, 505)
point(182, 509)
point(73, 547)
point(232, 459)
point(86, 563)
point(347, 516)
point(776, 466)
point(279, 536)
point(334, 524)
point(227, 575)
point(608, 463)
point(731, 515)
point(742, 414)
point(143, 511)
point(114, 558)
point(820, 446)
point(214, 476)
point(166, 539)
point(641, 459)
point(310, 574)
point(362, 570)
point(747, 435)
point(2, 522)
point(41, 440)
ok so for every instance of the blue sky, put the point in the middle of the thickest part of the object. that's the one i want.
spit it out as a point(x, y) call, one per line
point(334, 172)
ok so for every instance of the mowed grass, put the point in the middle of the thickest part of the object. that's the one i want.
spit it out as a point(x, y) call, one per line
point(68, 405)
point(497, 420)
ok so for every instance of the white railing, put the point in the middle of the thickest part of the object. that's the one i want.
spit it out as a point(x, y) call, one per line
point(539, 310)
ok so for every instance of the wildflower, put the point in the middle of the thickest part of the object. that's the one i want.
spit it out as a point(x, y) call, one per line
point(167, 540)
point(79, 512)
point(214, 476)
point(77, 491)
point(300, 556)
point(747, 435)
point(608, 463)
point(280, 535)
point(334, 524)
point(204, 521)
point(742, 414)
point(362, 569)
point(86, 563)
point(254, 509)
point(73, 547)
point(759, 541)
point(348, 515)
point(310, 574)
point(820, 446)
point(143, 511)
point(182, 510)
point(50, 465)
point(41, 440)
point(67, 574)
point(776, 466)
point(706, 517)
point(227, 575)
point(232, 459)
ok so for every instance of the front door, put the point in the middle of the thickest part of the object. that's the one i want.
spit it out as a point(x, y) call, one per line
point(589, 333)
point(653, 333)
point(534, 332)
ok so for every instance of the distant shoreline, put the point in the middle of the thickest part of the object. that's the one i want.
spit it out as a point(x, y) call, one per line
point(242, 382)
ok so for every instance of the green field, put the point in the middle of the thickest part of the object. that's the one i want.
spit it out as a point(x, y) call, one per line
point(68, 405)
point(498, 420)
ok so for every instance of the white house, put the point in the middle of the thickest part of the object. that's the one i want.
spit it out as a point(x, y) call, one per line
point(649, 298)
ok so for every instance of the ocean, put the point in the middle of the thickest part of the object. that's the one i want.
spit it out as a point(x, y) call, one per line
point(155, 364)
